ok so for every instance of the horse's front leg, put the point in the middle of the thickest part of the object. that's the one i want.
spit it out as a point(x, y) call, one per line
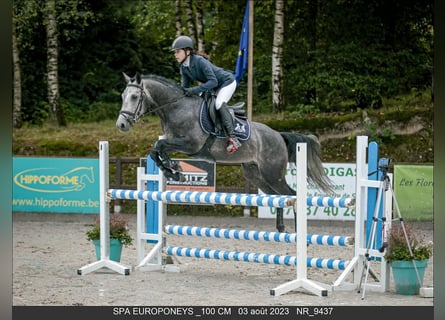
point(169, 167)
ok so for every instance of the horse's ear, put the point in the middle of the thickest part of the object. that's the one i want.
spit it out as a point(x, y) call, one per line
point(127, 78)
point(138, 78)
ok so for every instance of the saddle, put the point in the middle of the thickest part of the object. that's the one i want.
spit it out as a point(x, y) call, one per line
point(211, 123)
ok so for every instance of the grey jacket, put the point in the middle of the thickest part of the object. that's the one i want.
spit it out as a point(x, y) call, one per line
point(211, 77)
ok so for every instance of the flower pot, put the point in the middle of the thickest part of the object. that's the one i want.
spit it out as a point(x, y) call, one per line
point(405, 277)
point(115, 249)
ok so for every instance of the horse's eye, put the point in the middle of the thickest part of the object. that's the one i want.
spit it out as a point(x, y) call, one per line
point(134, 96)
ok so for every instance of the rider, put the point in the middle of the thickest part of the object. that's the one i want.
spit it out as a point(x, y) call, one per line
point(193, 67)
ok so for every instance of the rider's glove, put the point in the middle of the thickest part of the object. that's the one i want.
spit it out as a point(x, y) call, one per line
point(189, 92)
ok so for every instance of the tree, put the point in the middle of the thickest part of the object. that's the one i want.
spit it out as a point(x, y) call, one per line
point(334, 55)
point(52, 64)
point(200, 26)
point(27, 58)
point(17, 101)
point(190, 21)
point(178, 23)
point(277, 57)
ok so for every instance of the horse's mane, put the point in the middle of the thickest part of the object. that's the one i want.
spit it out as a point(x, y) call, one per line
point(168, 82)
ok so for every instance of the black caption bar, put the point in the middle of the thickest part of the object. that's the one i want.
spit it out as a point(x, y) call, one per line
point(221, 312)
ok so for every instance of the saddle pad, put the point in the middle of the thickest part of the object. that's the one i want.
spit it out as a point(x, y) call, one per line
point(240, 126)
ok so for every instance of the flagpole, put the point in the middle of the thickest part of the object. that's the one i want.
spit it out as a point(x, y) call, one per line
point(250, 63)
point(249, 79)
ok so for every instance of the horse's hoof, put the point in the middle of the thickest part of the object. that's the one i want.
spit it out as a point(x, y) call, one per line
point(177, 176)
point(171, 175)
point(176, 166)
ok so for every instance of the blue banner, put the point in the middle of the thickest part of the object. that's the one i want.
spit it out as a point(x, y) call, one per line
point(241, 61)
point(55, 185)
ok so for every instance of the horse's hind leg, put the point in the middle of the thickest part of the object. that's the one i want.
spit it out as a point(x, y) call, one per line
point(280, 220)
point(252, 173)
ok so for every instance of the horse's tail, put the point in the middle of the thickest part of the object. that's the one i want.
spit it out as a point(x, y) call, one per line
point(316, 173)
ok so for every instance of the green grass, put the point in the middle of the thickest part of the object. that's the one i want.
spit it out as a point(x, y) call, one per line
point(82, 139)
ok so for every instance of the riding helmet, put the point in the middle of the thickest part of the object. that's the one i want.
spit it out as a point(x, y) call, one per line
point(182, 42)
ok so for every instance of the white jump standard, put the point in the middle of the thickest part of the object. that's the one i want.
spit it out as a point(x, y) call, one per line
point(104, 261)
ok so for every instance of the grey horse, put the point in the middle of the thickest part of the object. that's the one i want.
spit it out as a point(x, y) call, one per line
point(263, 156)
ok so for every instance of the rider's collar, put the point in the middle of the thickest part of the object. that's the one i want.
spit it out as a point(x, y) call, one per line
point(186, 62)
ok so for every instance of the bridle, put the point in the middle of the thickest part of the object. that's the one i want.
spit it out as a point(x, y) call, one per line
point(133, 117)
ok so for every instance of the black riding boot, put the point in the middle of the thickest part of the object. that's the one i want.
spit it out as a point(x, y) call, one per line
point(226, 118)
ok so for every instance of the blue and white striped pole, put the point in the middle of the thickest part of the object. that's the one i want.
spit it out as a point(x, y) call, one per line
point(254, 235)
point(261, 200)
point(254, 257)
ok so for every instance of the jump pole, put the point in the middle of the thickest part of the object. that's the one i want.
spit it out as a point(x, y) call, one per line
point(104, 261)
point(267, 236)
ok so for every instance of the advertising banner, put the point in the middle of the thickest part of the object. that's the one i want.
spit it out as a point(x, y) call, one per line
point(343, 177)
point(413, 189)
point(55, 185)
point(198, 176)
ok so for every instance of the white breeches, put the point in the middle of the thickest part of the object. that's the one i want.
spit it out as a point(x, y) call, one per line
point(225, 94)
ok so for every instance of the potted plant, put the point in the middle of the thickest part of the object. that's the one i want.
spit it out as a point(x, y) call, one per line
point(404, 265)
point(119, 236)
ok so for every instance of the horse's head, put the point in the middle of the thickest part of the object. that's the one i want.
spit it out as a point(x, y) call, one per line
point(150, 93)
point(135, 103)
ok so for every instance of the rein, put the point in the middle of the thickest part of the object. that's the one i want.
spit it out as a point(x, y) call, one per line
point(133, 117)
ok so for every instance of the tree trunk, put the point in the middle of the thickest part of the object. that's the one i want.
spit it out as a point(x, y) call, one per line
point(200, 26)
point(190, 19)
point(17, 103)
point(52, 64)
point(178, 23)
point(277, 57)
point(311, 94)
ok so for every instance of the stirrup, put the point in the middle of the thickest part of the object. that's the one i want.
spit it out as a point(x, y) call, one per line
point(232, 145)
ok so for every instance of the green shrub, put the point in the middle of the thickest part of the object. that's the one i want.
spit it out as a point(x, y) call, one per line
point(118, 229)
point(398, 248)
